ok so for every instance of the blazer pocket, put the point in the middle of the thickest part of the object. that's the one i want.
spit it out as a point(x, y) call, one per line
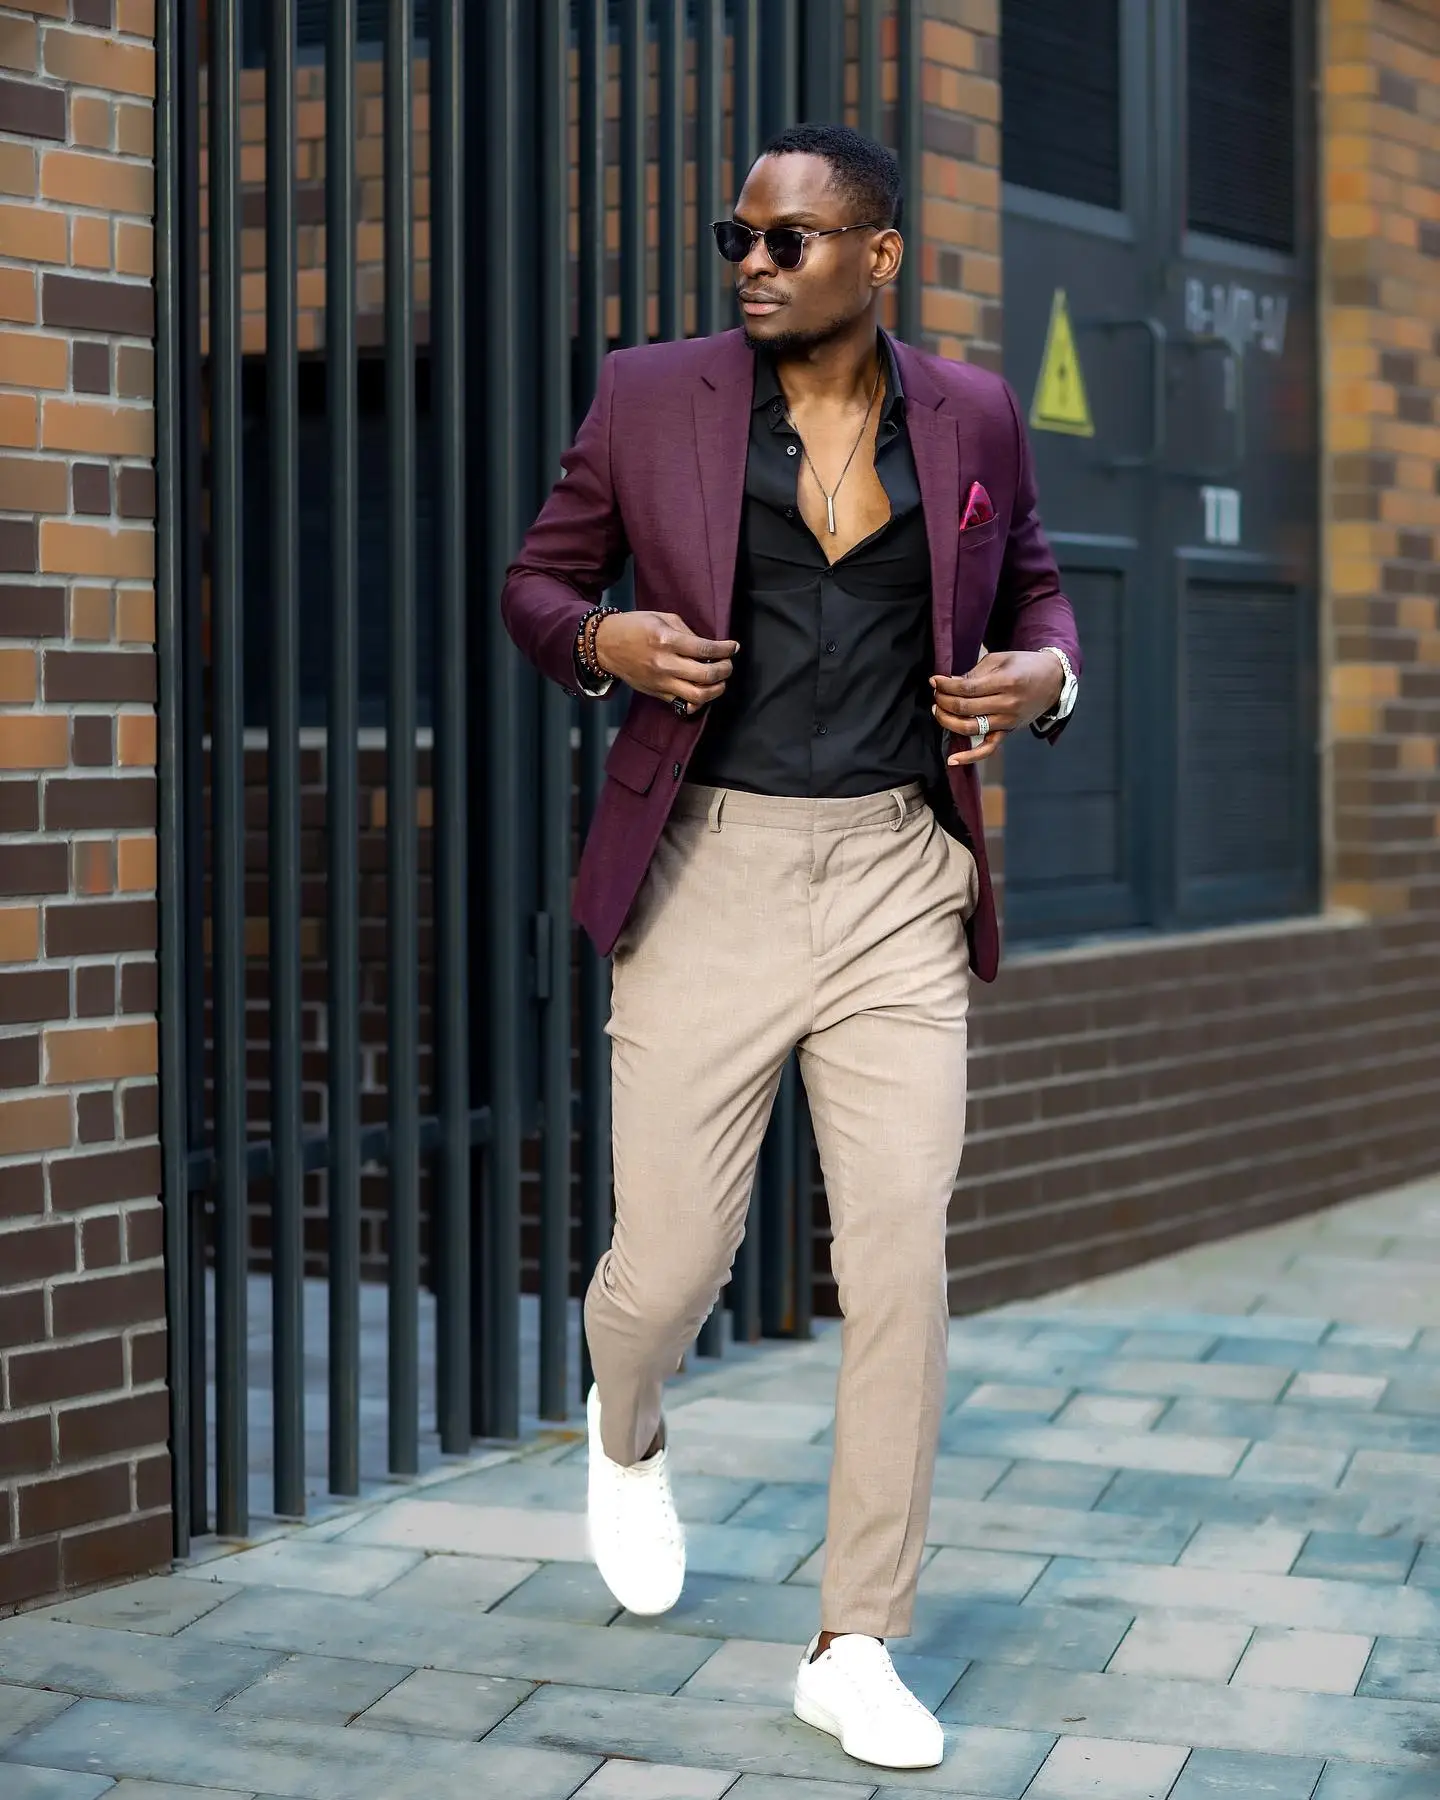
point(632, 764)
point(978, 535)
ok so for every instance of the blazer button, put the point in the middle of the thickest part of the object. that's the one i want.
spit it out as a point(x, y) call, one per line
point(676, 771)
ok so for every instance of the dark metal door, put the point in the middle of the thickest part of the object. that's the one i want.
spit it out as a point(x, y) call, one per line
point(1156, 161)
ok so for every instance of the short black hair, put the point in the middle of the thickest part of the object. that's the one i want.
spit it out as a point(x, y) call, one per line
point(865, 173)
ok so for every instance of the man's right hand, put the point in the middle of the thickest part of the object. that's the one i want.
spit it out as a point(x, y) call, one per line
point(658, 654)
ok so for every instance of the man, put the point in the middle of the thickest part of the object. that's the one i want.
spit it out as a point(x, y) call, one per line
point(825, 524)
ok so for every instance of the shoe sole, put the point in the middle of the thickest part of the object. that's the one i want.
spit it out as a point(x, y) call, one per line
point(809, 1712)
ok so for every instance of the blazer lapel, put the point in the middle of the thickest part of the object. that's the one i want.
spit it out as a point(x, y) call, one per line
point(722, 403)
point(935, 445)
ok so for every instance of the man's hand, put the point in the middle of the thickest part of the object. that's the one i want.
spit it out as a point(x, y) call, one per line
point(1008, 688)
point(658, 654)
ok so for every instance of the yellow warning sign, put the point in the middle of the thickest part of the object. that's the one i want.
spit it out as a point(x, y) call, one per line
point(1060, 402)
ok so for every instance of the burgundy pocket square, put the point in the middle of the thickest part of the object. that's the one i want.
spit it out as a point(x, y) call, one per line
point(978, 510)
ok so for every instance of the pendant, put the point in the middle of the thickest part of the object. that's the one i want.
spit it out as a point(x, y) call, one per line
point(830, 513)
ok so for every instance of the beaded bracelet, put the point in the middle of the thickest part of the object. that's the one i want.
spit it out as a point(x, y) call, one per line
point(586, 636)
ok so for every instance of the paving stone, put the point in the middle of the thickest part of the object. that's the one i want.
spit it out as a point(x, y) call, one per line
point(712, 1606)
point(811, 1572)
point(969, 1477)
point(434, 1702)
point(782, 1787)
point(993, 1396)
point(1402, 1669)
point(295, 1758)
point(331, 1689)
point(20, 1782)
point(1191, 1346)
point(1373, 1337)
point(159, 1605)
point(167, 1790)
point(753, 1739)
point(1181, 1649)
point(22, 1708)
point(1382, 1469)
point(1082, 1768)
point(127, 1665)
point(791, 1424)
point(1256, 1503)
point(1290, 1600)
point(1052, 1484)
point(1314, 1386)
point(1210, 1774)
point(1351, 1781)
point(1111, 1412)
point(784, 1507)
point(1264, 1549)
point(474, 1644)
point(561, 1487)
point(1004, 1524)
point(1279, 1328)
point(1270, 1721)
point(745, 1459)
point(1293, 1465)
point(983, 1574)
point(1426, 1569)
point(319, 1568)
point(1351, 1556)
point(1188, 1380)
point(561, 1591)
point(1307, 1662)
point(760, 1674)
point(459, 1583)
point(1175, 1453)
point(1067, 1637)
point(655, 1781)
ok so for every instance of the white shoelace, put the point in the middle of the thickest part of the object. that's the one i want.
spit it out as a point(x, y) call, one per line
point(655, 1482)
point(862, 1663)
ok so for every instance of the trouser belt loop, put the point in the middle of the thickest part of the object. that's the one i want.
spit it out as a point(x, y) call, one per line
point(899, 800)
point(717, 806)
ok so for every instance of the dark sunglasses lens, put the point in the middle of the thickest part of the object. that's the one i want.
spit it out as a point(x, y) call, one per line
point(732, 240)
point(785, 246)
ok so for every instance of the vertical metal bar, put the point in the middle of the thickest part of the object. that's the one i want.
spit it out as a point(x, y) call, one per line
point(909, 150)
point(283, 766)
point(452, 904)
point(822, 99)
point(745, 1277)
point(170, 299)
point(777, 1218)
point(779, 67)
point(634, 81)
point(871, 71)
point(745, 125)
point(556, 717)
point(709, 148)
point(671, 157)
point(342, 755)
point(803, 1141)
point(227, 641)
point(401, 815)
point(595, 1160)
point(498, 1392)
point(192, 674)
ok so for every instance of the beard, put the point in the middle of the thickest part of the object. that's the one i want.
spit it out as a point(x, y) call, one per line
point(784, 344)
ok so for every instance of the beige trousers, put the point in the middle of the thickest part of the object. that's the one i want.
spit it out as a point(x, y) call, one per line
point(836, 926)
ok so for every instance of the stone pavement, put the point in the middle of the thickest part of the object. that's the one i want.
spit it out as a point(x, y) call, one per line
point(1185, 1545)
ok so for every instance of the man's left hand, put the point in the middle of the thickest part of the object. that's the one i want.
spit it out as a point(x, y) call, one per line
point(1008, 689)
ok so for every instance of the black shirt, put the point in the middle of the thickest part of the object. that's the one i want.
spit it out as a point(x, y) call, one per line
point(830, 696)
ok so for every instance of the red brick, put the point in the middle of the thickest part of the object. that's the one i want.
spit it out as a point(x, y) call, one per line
point(152, 1482)
point(97, 677)
point(115, 308)
point(66, 1372)
point(95, 1119)
point(80, 803)
point(114, 1427)
point(70, 1500)
point(36, 1252)
point(31, 996)
point(92, 740)
point(25, 1446)
point(32, 109)
point(148, 1356)
point(144, 1233)
point(100, 1238)
point(140, 1107)
point(19, 1063)
point(22, 1318)
point(95, 991)
point(22, 1191)
point(139, 987)
point(34, 869)
point(106, 1178)
point(105, 928)
point(35, 1122)
point(19, 805)
point(29, 1571)
point(32, 612)
point(132, 1547)
point(99, 1302)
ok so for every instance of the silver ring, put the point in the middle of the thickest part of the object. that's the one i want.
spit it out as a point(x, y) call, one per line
point(681, 706)
point(980, 736)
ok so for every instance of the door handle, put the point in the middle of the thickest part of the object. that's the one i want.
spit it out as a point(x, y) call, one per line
point(1159, 341)
point(1233, 403)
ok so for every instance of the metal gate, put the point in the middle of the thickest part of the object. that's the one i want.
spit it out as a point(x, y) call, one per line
point(1159, 239)
point(546, 126)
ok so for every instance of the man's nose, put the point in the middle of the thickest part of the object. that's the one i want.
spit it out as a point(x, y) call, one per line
point(758, 261)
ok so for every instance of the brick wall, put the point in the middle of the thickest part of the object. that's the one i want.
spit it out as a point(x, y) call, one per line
point(84, 1416)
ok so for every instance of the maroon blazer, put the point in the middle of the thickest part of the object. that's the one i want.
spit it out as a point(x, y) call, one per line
point(658, 473)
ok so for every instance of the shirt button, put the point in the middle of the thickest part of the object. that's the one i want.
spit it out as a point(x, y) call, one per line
point(790, 450)
point(831, 647)
point(675, 771)
point(820, 730)
point(789, 512)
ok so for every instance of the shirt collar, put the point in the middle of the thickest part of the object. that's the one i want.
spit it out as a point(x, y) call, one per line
point(768, 390)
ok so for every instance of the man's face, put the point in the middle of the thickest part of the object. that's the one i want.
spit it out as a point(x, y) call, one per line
point(790, 310)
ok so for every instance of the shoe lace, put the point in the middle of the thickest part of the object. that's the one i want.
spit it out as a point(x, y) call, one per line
point(875, 1666)
point(657, 1483)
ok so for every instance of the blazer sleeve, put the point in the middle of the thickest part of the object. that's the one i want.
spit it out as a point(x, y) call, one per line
point(575, 550)
point(1030, 611)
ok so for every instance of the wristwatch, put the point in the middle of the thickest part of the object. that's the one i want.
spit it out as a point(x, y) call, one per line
point(1069, 693)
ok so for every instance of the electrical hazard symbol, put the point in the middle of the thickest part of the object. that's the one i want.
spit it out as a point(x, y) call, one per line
point(1060, 402)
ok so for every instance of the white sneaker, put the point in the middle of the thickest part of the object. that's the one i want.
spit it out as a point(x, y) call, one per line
point(635, 1536)
point(853, 1692)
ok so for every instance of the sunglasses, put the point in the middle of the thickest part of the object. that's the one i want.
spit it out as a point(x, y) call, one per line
point(784, 244)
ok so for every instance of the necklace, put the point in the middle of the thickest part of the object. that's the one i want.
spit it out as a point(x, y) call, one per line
point(864, 426)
